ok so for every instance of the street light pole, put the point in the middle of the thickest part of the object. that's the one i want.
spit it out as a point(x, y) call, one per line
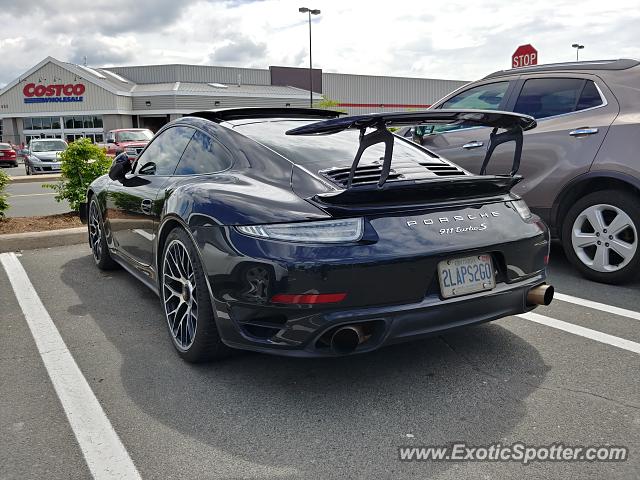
point(578, 47)
point(310, 11)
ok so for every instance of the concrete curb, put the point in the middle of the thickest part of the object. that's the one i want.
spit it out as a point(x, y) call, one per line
point(12, 242)
point(35, 178)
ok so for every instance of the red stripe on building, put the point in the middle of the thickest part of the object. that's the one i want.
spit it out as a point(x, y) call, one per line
point(382, 105)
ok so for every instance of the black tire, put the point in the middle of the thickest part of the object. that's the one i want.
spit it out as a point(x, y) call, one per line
point(605, 201)
point(97, 238)
point(27, 170)
point(201, 342)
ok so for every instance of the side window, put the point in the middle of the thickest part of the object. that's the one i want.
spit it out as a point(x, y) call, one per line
point(590, 97)
point(547, 97)
point(203, 155)
point(483, 97)
point(163, 153)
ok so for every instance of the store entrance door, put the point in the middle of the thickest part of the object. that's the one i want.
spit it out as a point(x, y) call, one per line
point(154, 123)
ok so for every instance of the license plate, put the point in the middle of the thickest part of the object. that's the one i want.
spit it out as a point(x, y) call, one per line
point(460, 276)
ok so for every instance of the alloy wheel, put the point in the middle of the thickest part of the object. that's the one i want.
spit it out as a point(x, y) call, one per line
point(604, 238)
point(179, 294)
point(95, 232)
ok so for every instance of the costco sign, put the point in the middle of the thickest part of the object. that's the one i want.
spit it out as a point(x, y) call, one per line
point(524, 56)
point(53, 93)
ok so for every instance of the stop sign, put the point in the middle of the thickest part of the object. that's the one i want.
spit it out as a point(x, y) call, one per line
point(524, 56)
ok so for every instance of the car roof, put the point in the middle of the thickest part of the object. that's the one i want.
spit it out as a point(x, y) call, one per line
point(255, 113)
point(620, 64)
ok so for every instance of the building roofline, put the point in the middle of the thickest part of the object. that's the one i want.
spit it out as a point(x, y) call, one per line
point(66, 66)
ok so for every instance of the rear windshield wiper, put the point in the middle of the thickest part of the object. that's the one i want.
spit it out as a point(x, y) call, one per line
point(513, 124)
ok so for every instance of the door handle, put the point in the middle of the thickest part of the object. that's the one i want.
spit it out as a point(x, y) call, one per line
point(146, 205)
point(579, 132)
point(474, 144)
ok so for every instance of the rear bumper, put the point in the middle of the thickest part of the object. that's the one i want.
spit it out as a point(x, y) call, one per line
point(389, 281)
point(393, 324)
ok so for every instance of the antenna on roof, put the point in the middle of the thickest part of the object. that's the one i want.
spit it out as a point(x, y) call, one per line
point(85, 61)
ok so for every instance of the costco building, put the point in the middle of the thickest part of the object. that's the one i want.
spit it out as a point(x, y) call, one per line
point(64, 100)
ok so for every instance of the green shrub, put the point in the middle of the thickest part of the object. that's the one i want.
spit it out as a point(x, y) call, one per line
point(82, 163)
point(4, 181)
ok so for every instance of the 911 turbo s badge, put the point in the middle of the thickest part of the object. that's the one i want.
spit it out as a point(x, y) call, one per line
point(453, 219)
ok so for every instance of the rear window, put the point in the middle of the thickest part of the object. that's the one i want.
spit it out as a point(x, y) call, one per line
point(323, 151)
point(4, 146)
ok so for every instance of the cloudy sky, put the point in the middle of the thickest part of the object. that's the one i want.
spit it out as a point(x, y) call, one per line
point(451, 39)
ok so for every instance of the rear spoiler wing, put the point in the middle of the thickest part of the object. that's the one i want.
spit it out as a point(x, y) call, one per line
point(513, 124)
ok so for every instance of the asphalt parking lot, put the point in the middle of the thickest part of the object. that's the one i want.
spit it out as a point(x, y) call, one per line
point(31, 199)
point(260, 416)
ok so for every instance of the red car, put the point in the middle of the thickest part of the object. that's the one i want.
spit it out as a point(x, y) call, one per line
point(8, 155)
point(129, 140)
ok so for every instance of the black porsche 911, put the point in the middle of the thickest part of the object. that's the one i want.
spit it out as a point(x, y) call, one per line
point(300, 232)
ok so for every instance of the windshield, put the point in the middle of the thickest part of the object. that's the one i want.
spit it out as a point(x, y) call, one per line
point(48, 146)
point(134, 136)
point(323, 151)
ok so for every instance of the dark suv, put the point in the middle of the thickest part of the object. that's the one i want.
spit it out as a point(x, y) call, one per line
point(581, 166)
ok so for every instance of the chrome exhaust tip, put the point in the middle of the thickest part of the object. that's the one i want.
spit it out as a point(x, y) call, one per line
point(345, 339)
point(540, 295)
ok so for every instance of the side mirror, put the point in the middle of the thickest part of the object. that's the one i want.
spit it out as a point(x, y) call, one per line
point(148, 169)
point(111, 140)
point(120, 167)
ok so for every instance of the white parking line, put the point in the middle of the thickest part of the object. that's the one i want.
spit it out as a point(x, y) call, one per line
point(103, 451)
point(583, 302)
point(583, 332)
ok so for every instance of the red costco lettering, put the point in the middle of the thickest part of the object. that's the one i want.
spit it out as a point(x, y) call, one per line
point(57, 90)
point(28, 89)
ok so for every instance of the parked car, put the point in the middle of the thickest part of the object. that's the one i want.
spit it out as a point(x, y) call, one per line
point(259, 230)
point(44, 155)
point(8, 157)
point(580, 165)
point(128, 140)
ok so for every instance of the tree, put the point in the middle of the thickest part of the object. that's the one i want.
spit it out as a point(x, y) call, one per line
point(82, 163)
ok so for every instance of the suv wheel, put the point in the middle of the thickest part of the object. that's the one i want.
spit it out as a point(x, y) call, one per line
point(600, 236)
